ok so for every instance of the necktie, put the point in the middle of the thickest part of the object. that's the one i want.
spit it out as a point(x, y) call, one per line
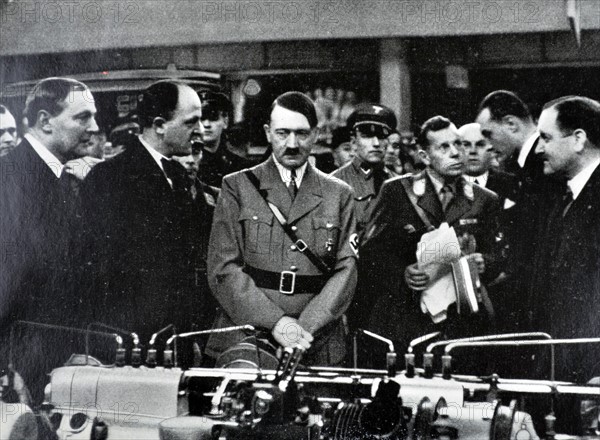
point(175, 171)
point(293, 187)
point(447, 195)
point(566, 202)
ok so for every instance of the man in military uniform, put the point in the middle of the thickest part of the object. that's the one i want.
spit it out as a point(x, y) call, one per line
point(217, 159)
point(370, 125)
point(296, 289)
point(409, 206)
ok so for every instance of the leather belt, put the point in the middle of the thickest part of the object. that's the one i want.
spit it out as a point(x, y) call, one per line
point(287, 282)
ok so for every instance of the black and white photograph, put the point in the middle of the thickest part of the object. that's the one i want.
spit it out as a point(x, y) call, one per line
point(299, 220)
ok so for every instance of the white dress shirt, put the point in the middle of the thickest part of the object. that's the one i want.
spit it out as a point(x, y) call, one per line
point(286, 175)
point(577, 183)
point(49, 159)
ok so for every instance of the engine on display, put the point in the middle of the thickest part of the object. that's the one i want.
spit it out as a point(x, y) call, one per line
point(263, 397)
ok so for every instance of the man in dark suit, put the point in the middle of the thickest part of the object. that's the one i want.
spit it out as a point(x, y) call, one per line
point(507, 122)
point(566, 278)
point(408, 207)
point(141, 222)
point(294, 290)
point(38, 219)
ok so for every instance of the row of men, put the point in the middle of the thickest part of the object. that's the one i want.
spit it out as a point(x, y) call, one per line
point(132, 248)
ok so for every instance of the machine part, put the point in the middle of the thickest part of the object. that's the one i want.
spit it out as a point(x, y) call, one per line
point(502, 422)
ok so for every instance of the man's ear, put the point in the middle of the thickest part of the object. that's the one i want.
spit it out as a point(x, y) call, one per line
point(159, 124)
point(226, 120)
point(43, 121)
point(581, 140)
point(267, 129)
point(512, 123)
point(424, 155)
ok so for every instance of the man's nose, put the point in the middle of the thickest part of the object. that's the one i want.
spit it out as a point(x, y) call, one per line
point(292, 140)
point(454, 151)
point(376, 142)
point(539, 148)
point(93, 126)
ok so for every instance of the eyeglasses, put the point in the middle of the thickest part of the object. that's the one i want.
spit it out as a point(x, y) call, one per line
point(12, 131)
point(282, 134)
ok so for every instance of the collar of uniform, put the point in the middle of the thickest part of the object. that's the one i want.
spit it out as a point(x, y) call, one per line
point(577, 183)
point(459, 184)
point(46, 155)
point(286, 175)
point(368, 172)
point(527, 146)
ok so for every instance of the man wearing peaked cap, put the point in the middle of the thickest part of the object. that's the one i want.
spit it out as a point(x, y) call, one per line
point(218, 159)
point(369, 126)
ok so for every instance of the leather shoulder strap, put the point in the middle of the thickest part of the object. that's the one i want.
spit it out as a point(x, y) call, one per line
point(414, 202)
point(301, 245)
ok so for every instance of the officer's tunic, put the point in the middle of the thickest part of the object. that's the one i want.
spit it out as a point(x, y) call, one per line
point(245, 234)
point(363, 185)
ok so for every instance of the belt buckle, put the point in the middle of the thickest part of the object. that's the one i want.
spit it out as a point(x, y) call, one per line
point(301, 245)
point(287, 282)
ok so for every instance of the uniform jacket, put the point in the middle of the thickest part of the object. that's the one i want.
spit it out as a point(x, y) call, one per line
point(565, 287)
point(144, 243)
point(390, 244)
point(245, 233)
point(214, 166)
point(364, 189)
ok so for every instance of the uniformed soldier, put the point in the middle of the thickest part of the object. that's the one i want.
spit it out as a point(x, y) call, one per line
point(408, 206)
point(293, 285)
point(218, 158)
point(369, 125)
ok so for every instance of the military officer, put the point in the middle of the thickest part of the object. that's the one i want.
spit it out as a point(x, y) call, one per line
point(295, 285)
point(369, 125)
point(409, 206)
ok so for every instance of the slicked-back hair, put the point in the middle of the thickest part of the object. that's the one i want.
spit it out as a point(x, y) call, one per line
point(436, 123)
point(50, 95)
point(577, 112)
point(502, 103)
point(159, 100)
point(297, 102)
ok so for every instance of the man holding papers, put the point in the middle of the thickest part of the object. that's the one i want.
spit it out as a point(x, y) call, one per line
point(422, 224)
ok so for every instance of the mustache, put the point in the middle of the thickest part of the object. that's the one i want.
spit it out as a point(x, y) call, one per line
point(291, 151)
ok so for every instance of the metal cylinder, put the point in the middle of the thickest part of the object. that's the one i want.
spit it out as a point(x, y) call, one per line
point(392, 363)
point(428, 365)
point(168, 358)
point(409, 361)
point(446, 366)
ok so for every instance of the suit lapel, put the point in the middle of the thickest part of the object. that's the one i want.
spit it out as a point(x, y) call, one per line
point(588, 198)
point(309, 195)
point(429, 201)
point(146, 169)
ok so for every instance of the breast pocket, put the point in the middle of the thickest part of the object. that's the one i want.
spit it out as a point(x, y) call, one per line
point(326, 236)
point(257, 228)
